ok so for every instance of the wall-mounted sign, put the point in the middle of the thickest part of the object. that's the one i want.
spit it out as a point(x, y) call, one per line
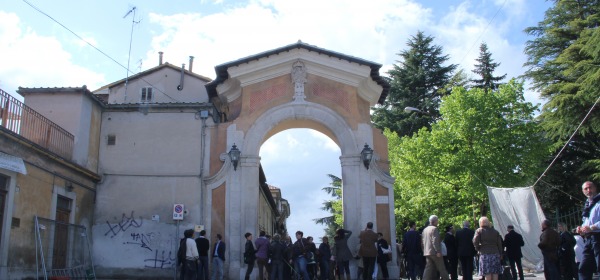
point(178, 212)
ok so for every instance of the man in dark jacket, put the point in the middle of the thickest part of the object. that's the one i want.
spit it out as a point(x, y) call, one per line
point(549, 243)
point(451, 253)
point(566, 253)
point(249, 255)
point(277, 254)
point(466, 250)
point(512, 244)
point(203, 246)
point(218, 258)
point(413, 252)
point(299, 250)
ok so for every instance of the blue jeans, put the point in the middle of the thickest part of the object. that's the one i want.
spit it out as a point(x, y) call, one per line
point(217, 271)
point(203, 268)
point(324, 266)
point(300, 264)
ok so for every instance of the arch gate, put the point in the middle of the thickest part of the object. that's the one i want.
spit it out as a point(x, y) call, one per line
point(296, 86)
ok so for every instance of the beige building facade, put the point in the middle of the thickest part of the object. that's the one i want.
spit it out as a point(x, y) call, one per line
point(161, 138)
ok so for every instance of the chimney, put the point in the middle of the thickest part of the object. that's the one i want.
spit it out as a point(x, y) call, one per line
point(160, 54)
point(191, 62)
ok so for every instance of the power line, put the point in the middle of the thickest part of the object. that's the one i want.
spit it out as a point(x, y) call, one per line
point(569, 141)
point(483, 32)
point(99, 50)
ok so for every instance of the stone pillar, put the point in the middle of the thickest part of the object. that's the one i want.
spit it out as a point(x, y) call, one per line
point(243, 192)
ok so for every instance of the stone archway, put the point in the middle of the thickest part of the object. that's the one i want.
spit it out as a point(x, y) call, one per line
point(299, 86)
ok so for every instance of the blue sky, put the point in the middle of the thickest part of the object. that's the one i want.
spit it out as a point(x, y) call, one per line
point(38, 52)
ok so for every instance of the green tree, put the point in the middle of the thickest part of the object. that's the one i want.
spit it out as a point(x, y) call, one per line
point(485, 69)
point(564, 66)
point(417, 80)
point(480, 140)
point(333, 206)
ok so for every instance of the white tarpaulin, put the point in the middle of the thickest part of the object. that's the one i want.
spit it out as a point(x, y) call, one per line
point(519, 207)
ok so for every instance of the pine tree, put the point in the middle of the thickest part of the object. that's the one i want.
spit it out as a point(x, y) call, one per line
point(564, 66)
point(417, 80)
point(333, 206)
point(485, 69)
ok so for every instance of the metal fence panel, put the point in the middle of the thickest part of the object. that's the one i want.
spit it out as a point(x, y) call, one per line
point(63, 251)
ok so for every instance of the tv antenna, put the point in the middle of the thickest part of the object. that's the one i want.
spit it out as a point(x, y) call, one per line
point(133, 23)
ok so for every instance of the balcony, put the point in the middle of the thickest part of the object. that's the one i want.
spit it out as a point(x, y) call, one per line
point(20, 119)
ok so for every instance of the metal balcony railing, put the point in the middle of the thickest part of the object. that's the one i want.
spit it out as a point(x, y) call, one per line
point(21, 119)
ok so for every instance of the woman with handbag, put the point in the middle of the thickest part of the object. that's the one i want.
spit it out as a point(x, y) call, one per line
point(384, 252)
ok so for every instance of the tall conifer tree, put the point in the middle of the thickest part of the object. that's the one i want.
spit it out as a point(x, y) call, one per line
point(485, 69)
point(417, 80)
point(564, 66)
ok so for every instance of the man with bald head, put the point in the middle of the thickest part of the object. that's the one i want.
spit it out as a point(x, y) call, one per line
point(590, 230)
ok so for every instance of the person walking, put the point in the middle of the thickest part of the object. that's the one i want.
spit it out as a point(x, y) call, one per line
point(566, 253)
point(342, 253)
point(452, 252)
point(413, 251)
point(466, 250)
point(249, 255)
point(262, 253)
point(368, 251)
point(218, 258)
point(432, 250)
point(299, 255)
point(590, 229)
point(513, 242)
point(384, 252)
point(488, 242)
point(277, 251)
point(324, 258)
point(549, 243)
point(203, 245)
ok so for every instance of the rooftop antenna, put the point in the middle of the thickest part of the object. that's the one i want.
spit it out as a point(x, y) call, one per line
point(133, 22)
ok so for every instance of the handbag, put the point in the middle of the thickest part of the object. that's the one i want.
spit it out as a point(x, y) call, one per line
point(386, 251)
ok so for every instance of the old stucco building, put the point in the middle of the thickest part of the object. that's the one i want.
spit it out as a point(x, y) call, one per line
point(162, 138)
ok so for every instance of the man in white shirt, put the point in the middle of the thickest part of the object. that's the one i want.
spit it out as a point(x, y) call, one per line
point(590, 229)
point(191, 255)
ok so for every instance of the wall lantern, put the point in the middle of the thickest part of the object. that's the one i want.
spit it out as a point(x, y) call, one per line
point(366, 155)
point(234, 156)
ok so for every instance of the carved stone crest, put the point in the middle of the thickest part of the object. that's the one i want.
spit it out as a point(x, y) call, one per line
point(299, 79)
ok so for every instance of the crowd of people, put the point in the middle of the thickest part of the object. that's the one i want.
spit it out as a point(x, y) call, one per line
point(485, 253)
point(278, 257)
point(422, 254)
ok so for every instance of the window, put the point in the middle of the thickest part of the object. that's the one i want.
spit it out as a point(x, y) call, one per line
point(146, 95)
point(111, 140)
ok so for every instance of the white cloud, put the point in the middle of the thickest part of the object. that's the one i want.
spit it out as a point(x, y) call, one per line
point(31, 60)
point(324, 141)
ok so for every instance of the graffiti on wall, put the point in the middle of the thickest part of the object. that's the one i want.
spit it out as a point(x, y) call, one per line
point(156, 241)
point(163, 260)
point(123, 225)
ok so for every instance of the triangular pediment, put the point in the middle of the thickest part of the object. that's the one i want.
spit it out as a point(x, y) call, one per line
point(349, 70)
